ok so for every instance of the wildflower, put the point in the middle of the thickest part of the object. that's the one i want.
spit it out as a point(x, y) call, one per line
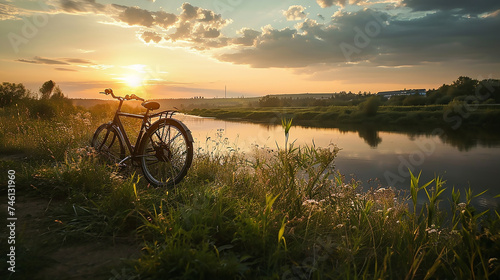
point(337, 195)
point(381, 190)
point(310, 202)
point(492, 262)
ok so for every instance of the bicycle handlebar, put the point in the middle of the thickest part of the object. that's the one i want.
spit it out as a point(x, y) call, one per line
point(133, 96)
point(127, 97)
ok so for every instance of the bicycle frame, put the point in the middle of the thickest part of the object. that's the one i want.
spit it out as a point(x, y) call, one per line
point(146, 123)
point(121, 130)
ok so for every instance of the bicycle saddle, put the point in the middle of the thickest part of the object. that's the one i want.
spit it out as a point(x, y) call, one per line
point(151, 105)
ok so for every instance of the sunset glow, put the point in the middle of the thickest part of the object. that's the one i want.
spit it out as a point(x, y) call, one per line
point(197, 48)
point(132, 81)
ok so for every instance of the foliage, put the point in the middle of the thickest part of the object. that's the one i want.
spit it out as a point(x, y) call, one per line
point(269, 214)
point(485, 91)
point(370, 106)
point(12, 93)
point(46, 89)
point(386, 118)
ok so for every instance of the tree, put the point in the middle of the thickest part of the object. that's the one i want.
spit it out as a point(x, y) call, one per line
point(46, 89)
point(58, 94)
point(11, 93)
point(463, 86)
point(370, 106)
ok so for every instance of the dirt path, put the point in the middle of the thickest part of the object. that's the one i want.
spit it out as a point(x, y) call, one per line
point(88, 260)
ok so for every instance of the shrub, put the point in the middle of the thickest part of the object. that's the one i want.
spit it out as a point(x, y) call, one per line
point(11, 93)
point(370, 106)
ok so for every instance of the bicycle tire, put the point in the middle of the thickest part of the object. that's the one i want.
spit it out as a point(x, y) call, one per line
point(107, 142)
point(166, 152)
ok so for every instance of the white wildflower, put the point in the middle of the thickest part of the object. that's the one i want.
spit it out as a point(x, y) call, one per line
point(310, 202)
point(381, 190)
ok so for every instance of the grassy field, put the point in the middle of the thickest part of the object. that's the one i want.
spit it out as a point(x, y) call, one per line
point(284, 214)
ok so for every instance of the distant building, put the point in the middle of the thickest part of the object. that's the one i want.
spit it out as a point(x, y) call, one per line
point(389, 94)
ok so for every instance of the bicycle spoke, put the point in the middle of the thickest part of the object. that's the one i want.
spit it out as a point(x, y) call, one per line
point(167, 154)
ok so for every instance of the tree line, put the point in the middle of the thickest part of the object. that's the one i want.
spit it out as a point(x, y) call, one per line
point(464, 89)
point(46, 103)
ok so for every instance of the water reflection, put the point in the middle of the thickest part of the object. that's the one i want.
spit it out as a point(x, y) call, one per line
point(465, 158)
point(370, 135)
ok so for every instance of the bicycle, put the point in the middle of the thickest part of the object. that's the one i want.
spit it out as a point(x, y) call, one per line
point(163, 148)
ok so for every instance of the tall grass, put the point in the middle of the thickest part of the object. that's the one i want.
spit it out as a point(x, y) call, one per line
point(44, 138)
point(269, 214)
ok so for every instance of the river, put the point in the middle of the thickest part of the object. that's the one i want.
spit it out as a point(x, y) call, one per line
point(376, 158)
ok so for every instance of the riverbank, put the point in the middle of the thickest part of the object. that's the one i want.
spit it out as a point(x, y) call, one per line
point(272, 214)
point(386, 117)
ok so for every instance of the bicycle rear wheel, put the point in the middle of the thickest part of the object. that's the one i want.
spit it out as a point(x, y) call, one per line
point(166, 152)
point(107, 143)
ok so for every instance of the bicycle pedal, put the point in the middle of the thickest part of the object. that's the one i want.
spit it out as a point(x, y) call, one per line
point(121, 165)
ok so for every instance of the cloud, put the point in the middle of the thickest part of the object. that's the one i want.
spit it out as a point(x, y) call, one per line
point(341, 3)
point(195, 25)
point(295, 12)
point(364, 36)
point(164, 19)
point(79, 61)
point(49, 61)
point(59, 61)
point(136, 16)
point(461, 6)
point(373, 38)
point(248, 37)
point(8, 11)
point(311, 43)
point(65, 69)
point(199, 26)
point(81, 6)
point(189, 12)
point(85, 51)
point(41, 60)
point(149, 36)
point(438, 37)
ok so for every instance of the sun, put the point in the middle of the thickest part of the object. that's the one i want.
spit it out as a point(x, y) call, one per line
point(133, 81)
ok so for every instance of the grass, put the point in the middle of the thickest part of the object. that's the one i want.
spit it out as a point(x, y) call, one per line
point(263, 215)
point(385, 116)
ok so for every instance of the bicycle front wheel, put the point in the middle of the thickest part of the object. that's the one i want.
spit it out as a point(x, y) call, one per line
point(166, 152)
point(108, 144)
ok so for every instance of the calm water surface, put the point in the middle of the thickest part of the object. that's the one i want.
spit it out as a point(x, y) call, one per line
point(376, 157)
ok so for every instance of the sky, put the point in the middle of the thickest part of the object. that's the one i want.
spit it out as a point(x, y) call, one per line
point(183, 49)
